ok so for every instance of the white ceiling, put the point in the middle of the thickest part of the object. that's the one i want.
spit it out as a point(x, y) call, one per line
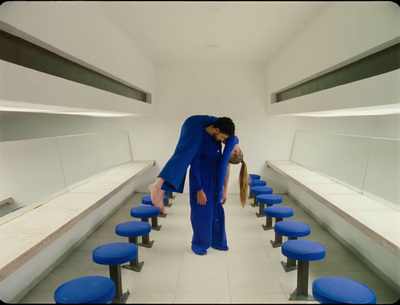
point(235, 31)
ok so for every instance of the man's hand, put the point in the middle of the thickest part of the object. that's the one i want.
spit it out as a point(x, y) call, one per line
point(201, 198)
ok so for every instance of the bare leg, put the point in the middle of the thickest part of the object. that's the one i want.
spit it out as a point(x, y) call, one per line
point(157, 194)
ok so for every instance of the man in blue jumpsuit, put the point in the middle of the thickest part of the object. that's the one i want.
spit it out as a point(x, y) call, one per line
point(172, 176)
point(207, 214)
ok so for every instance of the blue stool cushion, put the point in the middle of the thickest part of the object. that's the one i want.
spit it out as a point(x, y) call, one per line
point(303, 250)
point(291, 228)
point(145, 211)
point(254, 177)
point(278, 211)
point(115, 253)
point(341, 290)
point(86, 290)
point(257, 183)
point(258, 190)
point(133, 228)
point(147, 200)
point(269, 198)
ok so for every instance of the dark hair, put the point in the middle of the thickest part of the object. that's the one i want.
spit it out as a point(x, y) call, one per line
point(225, 125)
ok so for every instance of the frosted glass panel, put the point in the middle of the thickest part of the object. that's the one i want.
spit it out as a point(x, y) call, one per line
point(30, 170)
point(341, 157)
point(86, 155)
point(383, 171)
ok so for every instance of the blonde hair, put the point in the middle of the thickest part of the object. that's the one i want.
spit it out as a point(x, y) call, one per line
point(243, 176)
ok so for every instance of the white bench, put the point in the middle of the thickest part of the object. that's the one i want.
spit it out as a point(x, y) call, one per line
point(378, 221)
point(23, 237)
point(350, 185)
point(62, 188)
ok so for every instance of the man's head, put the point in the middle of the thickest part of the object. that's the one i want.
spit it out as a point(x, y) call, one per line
point(225, 128)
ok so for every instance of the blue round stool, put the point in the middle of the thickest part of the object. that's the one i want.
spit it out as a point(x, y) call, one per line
point(255, 183)
point(114, 255)
point(147, 201)
point(292, 229)
point(86, 290)
point(260, 190)
point(145, 212)
point(279, 212)
point(341, 290)
point(269, 200)
point(303, 251)
point(132, 230)
point(254, 177)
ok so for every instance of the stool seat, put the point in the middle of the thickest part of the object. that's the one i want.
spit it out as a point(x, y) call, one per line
point(303, 250)
point(133, 228)
point(269, 198)
point(291, 228)
point(254, 177)
point(259, 190)
point(147, 199)
point(278, 211)
point(114, 253)
point(257, 183)
point(145, 211)
point(86, 290)
point(335, 290)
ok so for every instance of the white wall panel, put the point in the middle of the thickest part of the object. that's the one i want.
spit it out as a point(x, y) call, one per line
point(30, 170)
point(383, 172)
point(84, 156)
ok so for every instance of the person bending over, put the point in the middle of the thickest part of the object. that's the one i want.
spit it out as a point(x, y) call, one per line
point(172, 176)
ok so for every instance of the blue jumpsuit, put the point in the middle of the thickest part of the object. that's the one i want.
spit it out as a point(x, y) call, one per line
point(208, 221)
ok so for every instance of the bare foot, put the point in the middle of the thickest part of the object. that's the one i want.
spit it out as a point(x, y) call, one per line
point(157, 195)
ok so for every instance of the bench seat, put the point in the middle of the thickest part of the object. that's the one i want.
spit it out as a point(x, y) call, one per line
point(22, 237)
point(377, 220)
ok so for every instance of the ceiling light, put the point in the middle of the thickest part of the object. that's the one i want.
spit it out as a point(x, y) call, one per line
point(212, 46)
point(364, 111)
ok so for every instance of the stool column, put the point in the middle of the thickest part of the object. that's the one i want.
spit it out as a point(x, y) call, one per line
point(302, 278)
point(255, 203)
point(134, 264)
point(146, 238)
point(268, 220)
point(261, 210)
point(278, 237)
point(290, 264)
point(115, 275)
point(154, 224)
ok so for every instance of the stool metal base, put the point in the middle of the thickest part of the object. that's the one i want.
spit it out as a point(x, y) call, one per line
point(132, 267)
point(146, 241)
point(147, 244)
point(122, 299)
point(295, 297)
point(154, 224)
point(275, 244)
point(162, 215)
point(266, 228)
point(289, 266)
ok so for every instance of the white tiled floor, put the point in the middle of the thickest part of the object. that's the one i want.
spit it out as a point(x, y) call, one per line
point(250, 272)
